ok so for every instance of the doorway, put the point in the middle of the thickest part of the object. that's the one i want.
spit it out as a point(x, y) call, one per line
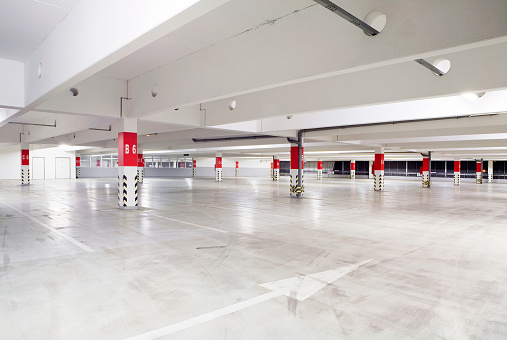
point(38, 168)
point(62, 167)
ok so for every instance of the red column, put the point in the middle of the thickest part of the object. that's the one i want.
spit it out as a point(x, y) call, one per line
point(237, 168)
point(478, 172)
point(294, 170)
point(140, 167)
point(457, 172)
point(78, 167)
point(426, 172)
point(25, 166)
point(319, 169)
point(352, 169)
point(127, 170)
point(194, 166)
point(276, 168)
point(378, 173)
point(218, 167)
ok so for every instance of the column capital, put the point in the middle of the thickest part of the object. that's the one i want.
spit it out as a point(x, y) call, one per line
point(127, 125)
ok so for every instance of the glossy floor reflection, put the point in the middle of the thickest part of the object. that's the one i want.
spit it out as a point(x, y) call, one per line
point(76, 267)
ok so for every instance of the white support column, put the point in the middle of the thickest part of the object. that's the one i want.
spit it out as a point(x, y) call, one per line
point(319, 169)
point(140, 166)
point(25, 164)
point(378, 176)
point(276, 168)
point(127, 164)
point(490, 171)
point(294, 156)
point(478, 171)
point(457, 171)
point(352, 169)
point(426, 172)
point(78, 166)
point(218, 167)
point(370, 169)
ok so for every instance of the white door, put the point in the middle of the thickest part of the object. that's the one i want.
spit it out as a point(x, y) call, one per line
point(38, 168)
point(62, 167)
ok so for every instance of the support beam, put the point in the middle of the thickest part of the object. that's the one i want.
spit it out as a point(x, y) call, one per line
point(478, 171)
point(426, 172)
point(140, 166)
point(218, 167)
point(276, 168)
point(296, 167)
point(127, 164)
point(352, 169)
point(378, 173)
point(490, 171)
point(25, 164)
point(319, 169)
point(78, 166)
point(457, 171)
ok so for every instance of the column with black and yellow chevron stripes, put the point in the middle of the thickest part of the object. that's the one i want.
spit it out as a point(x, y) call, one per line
point(25, 165)
point(128, 174)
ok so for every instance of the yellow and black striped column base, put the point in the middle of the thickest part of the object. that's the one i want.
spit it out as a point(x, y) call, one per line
point(218, 175)
point(128, 181)
point(25, 175)
point(478, 178)
point(140, 175)
point(426, 179)
point(276, 175)
point(294, 188)
point(378, 180)
point(456, 178)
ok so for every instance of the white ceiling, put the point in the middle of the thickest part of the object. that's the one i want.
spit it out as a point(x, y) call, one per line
point(24, 24)
point(232, 19)
point(279, 59)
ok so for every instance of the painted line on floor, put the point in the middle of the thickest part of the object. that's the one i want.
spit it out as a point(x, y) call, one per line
point(299, 287)
point(257, 211)
point(192, 224)
point(50, 228)
point(156, 333)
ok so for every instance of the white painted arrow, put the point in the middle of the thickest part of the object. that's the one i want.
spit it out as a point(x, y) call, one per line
point(300, 288)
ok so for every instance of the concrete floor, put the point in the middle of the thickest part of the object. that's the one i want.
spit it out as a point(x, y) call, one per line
point(76, 267)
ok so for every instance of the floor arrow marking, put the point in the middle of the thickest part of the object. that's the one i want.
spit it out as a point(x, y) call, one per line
point(300, 287)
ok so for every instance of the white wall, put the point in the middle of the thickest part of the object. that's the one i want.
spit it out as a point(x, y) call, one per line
point(10, 163)
point(49, 157)
point(248, 167)
point(12, 91)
